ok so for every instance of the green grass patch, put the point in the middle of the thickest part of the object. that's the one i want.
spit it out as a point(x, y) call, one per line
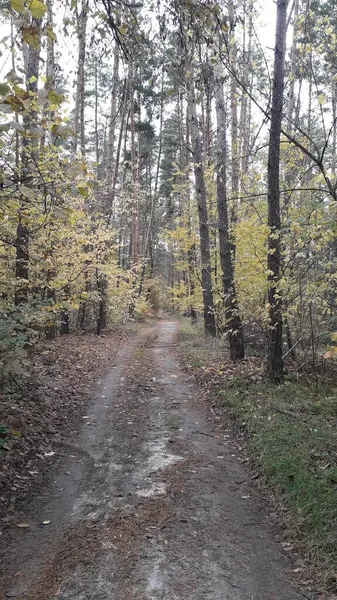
point(292, 435)
point(201, 350)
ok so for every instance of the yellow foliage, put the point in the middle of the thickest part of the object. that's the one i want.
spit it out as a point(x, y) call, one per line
point(251, 268)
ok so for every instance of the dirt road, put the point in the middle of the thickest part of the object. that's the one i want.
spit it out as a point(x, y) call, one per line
point(148, 501)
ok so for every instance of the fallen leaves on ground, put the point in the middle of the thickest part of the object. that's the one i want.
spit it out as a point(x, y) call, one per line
point(215, 374)
point(63, 373)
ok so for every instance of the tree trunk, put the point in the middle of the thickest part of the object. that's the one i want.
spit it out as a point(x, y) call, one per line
point(113, 116)
point(275, 363)
point(121, 255)
point(21, 262)
point(293, 66)
point(48, 116)
point(206, 276)
point(155, 191)
point(234, 119)
point(96, 123)
point(101, 282)
point(31, 59)
point(79, 124)
point(334, 127)
point(245, 115)
point(111, 197)
point(17, 143)
point(233, 319)
point(64, 325)
point(134, 232)
point(191, 253)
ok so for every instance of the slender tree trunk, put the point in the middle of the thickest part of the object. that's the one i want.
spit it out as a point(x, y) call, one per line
point(234, 118)
point(334, 127)
point(155, 191)
point(206, 275)
point(101, 282)
point(191, 253)
point(113, 116)
point(65, 318)
point(31, 58)
point(50, 76)
point(134, 233)
point(121, 256)
point(17, 144)
point(245, 115)
point(125, 113)
point(96, 123)
point(233, 319)
point(293, 66)
point(275, 363)
point(82, 7)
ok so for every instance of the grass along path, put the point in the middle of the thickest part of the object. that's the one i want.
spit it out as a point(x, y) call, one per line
point(292, 436)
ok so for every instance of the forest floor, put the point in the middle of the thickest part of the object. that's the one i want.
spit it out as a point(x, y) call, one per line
point(148, 496)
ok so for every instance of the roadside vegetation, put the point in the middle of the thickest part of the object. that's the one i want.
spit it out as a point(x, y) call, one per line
point(291, 436)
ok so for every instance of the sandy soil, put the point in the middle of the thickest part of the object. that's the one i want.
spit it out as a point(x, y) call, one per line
point(149, 500)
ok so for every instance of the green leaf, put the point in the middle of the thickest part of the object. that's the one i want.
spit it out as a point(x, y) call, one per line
point(18, 5)
point(55, 98)
point(4, 89)
point(37, 9)
point(83, 191)
point(50, 32)
point(321, 99)
point(26, 191)
point(4, 126)
point(61, 130)
point(75, 170)
point(32, 37)
point(15, 432)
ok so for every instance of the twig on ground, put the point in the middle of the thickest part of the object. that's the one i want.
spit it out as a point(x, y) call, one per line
point(203, 433)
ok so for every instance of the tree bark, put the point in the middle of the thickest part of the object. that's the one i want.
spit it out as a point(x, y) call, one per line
point(234, 118)
point(118, 153)
point(79, 124)
point(245, 114)
point(31, 59)
point(50, 75)
point(113, 116)
point(155, 191)
point(96, 124)
point(134, 234)
point(275, 363)
point(206, 276)
point(233, 319)
point(191, 254)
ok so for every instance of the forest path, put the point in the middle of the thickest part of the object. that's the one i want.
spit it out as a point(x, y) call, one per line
point(148, 502)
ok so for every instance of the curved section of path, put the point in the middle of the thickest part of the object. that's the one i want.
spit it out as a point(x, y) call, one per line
point(148, 502)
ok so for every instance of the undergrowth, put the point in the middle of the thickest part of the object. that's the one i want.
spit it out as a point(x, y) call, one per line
point(292, 435)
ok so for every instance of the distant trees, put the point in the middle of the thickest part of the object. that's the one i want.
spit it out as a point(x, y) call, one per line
point(173, 154)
